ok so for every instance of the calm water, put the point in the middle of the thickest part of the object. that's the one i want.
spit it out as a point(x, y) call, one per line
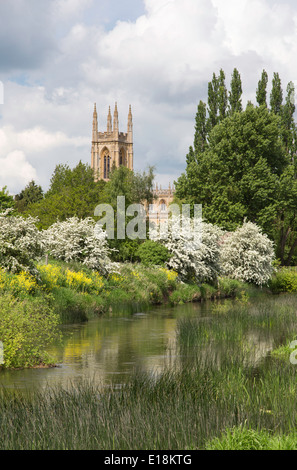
point(107, 349)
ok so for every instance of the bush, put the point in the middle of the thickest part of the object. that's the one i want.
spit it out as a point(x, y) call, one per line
point(284, 280)
point(152, 253)
point(247, 255)
point(79, 240)
point(195, 257)
point(20, 243)
point(27, 328)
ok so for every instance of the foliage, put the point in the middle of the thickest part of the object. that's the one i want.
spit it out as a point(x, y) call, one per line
point(6, 201)
point(20, 243)
point(246, 167)
point(79, 240)
point(136, 187)
point(26, 330)
point(72, 193)
point(194, 253)
point(247, 255)
point(31, 194)
point(284, 280)
point(244, 438)
point(152, 253)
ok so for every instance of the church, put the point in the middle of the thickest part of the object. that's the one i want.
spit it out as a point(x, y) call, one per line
point(113, 147)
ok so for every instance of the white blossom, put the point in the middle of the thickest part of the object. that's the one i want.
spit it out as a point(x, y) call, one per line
point(195, 256)
point(79, 240)
point(20, 243)
point(247, 255)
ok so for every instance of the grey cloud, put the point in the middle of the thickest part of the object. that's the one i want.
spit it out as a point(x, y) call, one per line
point(26, 34)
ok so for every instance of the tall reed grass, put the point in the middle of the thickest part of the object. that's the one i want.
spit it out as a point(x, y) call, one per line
point(224, 390)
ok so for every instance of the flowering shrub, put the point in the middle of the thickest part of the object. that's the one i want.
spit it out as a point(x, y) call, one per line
point(194, 258)
point(20, 243)
point(79, 240)
point(247, 255)
point(51, 276)
point(78, 281)
point(26, 330)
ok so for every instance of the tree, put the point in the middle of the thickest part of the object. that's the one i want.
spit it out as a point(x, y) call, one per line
point(200, 137)
point(213, 103)
point(276, 96)
point(222, 96)
point(261, 93)
point(246, 173)
point(72, 193)
point(31, 194)
point(6, 201)
point(247, 255)
point(137, 188)
point(235, 103)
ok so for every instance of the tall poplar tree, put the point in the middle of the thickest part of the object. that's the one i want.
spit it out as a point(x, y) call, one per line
point(235, 103)
point(213, 103)
point(289, 127)
point(200, 137)
point(222, 96)
point(261, 94)
point(276, 96)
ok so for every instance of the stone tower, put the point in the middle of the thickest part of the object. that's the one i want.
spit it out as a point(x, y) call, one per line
point(111, 147)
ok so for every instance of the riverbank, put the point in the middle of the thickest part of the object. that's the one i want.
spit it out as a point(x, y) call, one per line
point(66, 293)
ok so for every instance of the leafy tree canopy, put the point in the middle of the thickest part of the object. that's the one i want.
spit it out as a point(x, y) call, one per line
point(246, 168)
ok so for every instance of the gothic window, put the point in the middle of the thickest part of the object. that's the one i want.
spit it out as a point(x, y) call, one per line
point(122, 159)
point(106, 164)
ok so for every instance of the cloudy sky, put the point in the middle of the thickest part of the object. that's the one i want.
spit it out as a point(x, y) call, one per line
point(58, 57)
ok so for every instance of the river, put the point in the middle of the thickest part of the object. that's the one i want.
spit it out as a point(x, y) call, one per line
point(107, 349)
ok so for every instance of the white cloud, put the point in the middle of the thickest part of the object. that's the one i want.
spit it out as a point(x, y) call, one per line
point(16, 171)
point(159, 63)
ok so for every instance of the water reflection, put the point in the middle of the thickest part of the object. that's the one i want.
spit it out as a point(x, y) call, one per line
point(107, 349)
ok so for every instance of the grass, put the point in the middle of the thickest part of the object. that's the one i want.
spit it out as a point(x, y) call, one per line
point(223, 392)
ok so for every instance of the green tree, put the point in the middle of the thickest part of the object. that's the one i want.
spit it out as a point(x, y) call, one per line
point(222, 96)
point(72, 193)
point(200, 137)
point(289, 127)
point(137, 188)
point(6, 201)
point(276, 96)
point(31, 194)
point(235, 102)
point(261, 93)
point(213, 103)
point(246, 174)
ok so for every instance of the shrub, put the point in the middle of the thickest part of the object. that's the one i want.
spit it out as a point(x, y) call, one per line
point(20, 243)
point(284, 280)
point(27, 328)
point(79, 240)
point(152, 253)
point(247, 255)
point(194, 258)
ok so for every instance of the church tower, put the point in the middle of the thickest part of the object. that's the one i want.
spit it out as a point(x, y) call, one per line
point(111, 147)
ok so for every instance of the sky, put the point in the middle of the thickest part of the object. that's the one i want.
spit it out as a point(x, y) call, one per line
point(59, 57)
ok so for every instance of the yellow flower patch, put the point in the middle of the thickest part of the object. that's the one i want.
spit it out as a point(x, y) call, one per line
point(171, 275)
point(23, 283)
point(78, 281)
point(52, 276)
